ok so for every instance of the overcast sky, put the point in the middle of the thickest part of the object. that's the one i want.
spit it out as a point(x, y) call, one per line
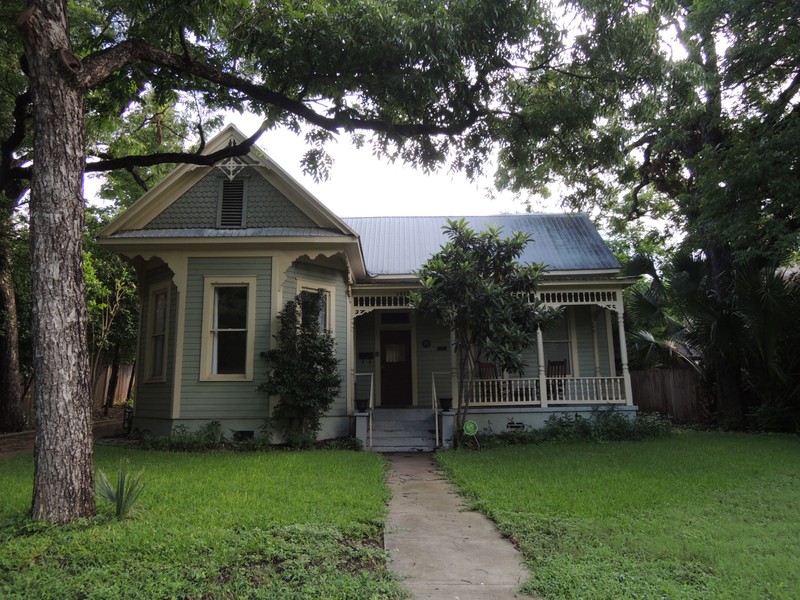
point(362, 185)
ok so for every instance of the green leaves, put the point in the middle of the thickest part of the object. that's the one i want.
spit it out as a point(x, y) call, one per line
point(475, 287)
point(304, 370)
point(124, 495)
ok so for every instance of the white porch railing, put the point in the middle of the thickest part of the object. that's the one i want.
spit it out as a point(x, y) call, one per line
point(560, 391)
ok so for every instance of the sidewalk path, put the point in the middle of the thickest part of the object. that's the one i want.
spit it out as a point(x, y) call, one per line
point(14, 443)
point(440, 549)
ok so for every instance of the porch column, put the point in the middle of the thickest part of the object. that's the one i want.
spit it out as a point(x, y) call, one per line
point(542, 372)
point(623, 357)
point(350, 368)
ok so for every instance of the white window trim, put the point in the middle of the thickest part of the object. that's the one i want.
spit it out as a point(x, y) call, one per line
point(307, 285)
point(155, 289)
point(211, 282)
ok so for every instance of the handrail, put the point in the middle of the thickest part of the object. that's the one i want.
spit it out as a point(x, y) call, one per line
point(558, 391)
point(371, 403)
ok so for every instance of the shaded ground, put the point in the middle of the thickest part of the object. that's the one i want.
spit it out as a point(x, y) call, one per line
point(14, 443)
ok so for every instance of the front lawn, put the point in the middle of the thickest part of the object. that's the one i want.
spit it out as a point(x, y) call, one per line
point(693, 515)
point(216, 525)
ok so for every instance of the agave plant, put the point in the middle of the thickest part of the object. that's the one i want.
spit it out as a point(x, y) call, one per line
point(125, 493)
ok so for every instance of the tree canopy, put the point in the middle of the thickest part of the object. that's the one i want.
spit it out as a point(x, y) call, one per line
point(683, 111)
point(475, 287)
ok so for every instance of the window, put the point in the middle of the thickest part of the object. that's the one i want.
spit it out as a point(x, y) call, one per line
point(323, 315)
point(326, 320)
point(228, 317)
point(231, 205)
point(557, 342)
point(158, 318)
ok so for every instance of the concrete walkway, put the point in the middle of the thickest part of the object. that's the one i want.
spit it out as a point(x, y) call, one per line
point(440, 549)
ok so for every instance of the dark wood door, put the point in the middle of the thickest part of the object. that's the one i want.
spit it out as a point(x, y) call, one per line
point(396, 368)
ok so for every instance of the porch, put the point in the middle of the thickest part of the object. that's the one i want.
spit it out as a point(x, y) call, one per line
point(406, 361)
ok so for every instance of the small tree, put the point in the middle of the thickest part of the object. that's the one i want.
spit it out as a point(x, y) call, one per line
point(474, 286)
point(303, 369)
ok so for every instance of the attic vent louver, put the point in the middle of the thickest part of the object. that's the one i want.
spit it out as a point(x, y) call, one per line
point(231, 211)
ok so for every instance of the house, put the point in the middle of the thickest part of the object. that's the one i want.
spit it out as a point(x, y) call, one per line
point(219, 250)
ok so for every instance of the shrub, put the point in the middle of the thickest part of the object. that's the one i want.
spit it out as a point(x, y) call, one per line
point(123, 496)
point(207, 437)
point(604, 425)
point(346, 443)
point(304, 371)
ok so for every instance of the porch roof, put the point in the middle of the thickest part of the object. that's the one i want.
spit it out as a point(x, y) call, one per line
point(563, 242)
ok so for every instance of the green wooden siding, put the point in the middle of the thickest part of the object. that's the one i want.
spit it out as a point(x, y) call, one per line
point(434, 359)
point(224, 399)
point(329, 277)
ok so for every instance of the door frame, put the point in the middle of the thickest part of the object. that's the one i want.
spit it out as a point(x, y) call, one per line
point(410, 326)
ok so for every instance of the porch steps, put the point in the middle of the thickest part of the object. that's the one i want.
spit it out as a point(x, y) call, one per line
point(403, 430)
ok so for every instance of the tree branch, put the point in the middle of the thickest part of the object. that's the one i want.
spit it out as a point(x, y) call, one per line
point(7, 146)
point(100, 66)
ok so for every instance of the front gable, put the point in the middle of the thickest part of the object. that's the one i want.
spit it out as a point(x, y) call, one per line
point(191, 198)
point(212, 204)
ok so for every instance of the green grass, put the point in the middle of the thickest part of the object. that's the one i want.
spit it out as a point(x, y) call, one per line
point(214, 525)
point(693, 515)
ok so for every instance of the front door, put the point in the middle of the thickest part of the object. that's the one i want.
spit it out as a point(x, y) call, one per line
point(396, 368)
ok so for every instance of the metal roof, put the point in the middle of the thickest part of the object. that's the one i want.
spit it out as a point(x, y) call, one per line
point(231, 233)
point(563, 242)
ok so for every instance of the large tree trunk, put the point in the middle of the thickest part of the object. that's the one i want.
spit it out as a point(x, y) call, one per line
point(11, 418)
point(727, 368)
point(63, 488)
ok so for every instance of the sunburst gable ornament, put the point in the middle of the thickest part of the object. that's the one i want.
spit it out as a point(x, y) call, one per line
point(233, 165)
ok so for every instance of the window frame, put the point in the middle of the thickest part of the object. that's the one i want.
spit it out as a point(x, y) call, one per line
point(156, 289)
point(307, 285)
point(210, 285)
point(569, 341)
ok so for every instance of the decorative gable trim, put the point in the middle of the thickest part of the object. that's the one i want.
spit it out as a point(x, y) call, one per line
point(185, 176)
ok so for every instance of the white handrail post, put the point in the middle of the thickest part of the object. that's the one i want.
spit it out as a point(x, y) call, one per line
point(371, 404)
point(542, 373)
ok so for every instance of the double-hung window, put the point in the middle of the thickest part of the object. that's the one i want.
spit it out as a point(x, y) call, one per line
point(158, 321)
point(228, 317)
point(308, 288)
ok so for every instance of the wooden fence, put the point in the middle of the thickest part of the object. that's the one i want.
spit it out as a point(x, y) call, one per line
point(100, 389)
point(671, 392)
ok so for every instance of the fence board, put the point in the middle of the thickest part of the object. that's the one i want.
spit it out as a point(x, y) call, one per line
point(672, 392)
point(100, 389)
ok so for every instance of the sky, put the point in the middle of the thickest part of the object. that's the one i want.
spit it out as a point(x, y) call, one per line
point(361, 185)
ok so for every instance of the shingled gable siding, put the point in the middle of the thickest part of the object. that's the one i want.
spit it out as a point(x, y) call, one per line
point(325, 276)
point(199, 207)
point(154, 399)
point(220, 400)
